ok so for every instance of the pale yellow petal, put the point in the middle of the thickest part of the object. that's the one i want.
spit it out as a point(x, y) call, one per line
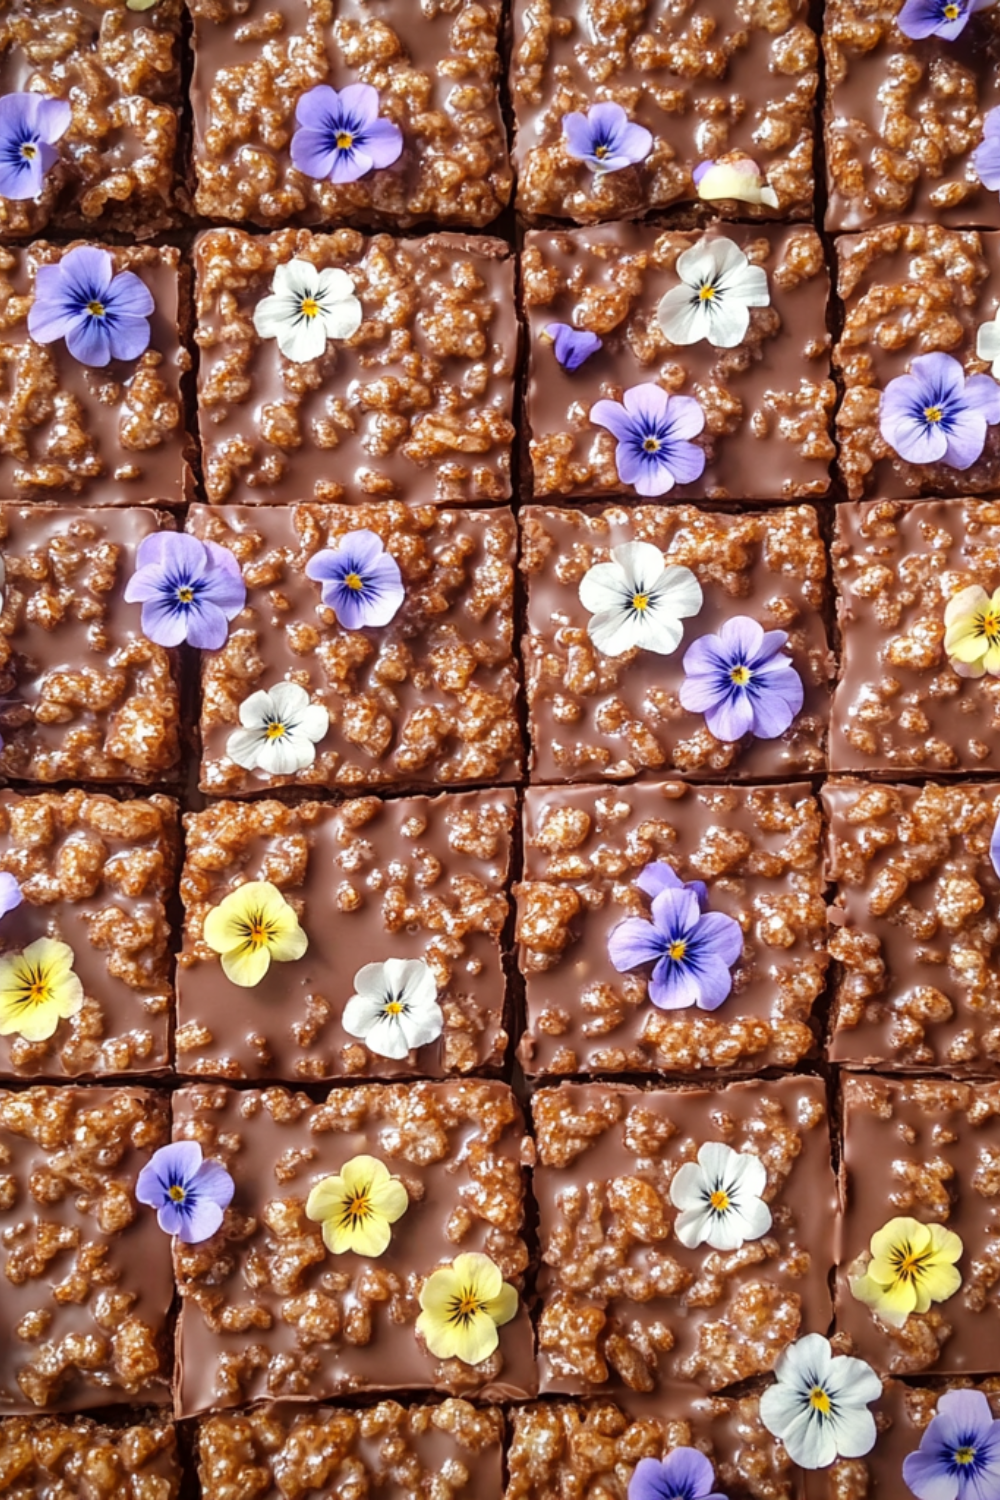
point(326, 1198)
point(898, 1236)
point(967, 648)
point(441, 1338)
point(479, 1273)
point(67, 995)
point(991, 660)
point(866, 1290)
point(504, 1307)
point(246, 966)
point(945, 1243)
point(476, 1339)
point(338, 1235)
point(371, 1236)
point(35, 1023)
point(361, 1172)
point(390, 1199)
point(937, 1284)
point(896, 1303)
point(965, 602)
point(438, 1293)
point(223, 930)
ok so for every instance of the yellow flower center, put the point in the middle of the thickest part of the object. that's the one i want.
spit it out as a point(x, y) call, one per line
point(964, 1456)
point(819, 1400)
point(651, 444)
point(309, 307)
point(988, 624)
point(952, 12)
point(740, 676)
point(394, 1007)
point(185, 595)
point(601, 152)
point(177, 1193)
point(933, 413)
point(29, 151)
point(720, 1200)
point(357, 1207)
point(276, 731)
point(909, 1264)
point(677, 949)
point(640, 601)
point(34, 987)
point(96, 309)
point(345, 140)
point(464, 1306)
point(707, 294)
point(354, 581)
point(257, 931)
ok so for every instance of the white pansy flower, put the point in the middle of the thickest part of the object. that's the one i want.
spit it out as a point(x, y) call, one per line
point(636, 600)
point(280, 730)
point(394, 1008)
point(718, 288)
point(720, 1200)
point(819, 1406)
point(988, 343)
point(305, 308)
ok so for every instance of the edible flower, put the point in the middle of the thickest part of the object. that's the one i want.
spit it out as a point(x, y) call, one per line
point(280, 731)
point(685, 1474)
point(251, 926)
point(741, 681)
point(652, 428)
point(358, 1207)
point(462, 1306)
point(944, 18)
point(740, 180)
point(718, 288)
point(637, 602)
point(972, 632)
point(189, 590)
point(361, 582)
point(341, 136)
point(692, 951)
point(818, 1406)
point(30, 125)
point(986, 157)
point(571, 346)
point(189, 1194)
point(10, 893)
point(911, 1266)
point(394, 1008)
point(38, 989)
point(605, 138)
point(959, 1453)
point(102, 316)
point(988, 343)
point(306, 307)
point(719, 1196)
point(937, 415)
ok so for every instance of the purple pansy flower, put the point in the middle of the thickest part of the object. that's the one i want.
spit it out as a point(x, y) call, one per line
point(652, 428)
point(959, 1453)
point(605, 138)
point(741, 682)
point(571, 346)
point(189, 590)
point(692, 950)
point(341, 136)
point(10, 893)
point(30, 125)
point(661, 876)
point(100, 315)
point(936, 414)
point(986, 157)
point(995, 846)
point(944, 18)
point(361, 581)
point(685, 1474)
point(188, 1193)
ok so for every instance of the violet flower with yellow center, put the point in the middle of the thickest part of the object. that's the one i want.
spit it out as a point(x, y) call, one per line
point(912, 1265)
point(251, 926)
point(38, 989)
point(972, 632)
point(358, 1207)
point(462, 1306)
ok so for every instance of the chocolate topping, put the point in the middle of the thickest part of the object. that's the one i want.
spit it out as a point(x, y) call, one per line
point(41, 1457)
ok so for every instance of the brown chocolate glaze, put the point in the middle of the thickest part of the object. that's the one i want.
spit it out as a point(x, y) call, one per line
point(435, 68)
point(625, 1306)
point(924, 1149)
point(96, 874)
point(768, 402)
point(708, 78)
point(759, 854)
point(86, 1284)
point(416, 878)
point(916, 930)
point(429, 699)
point(904, 116)
point(42, 1457)
point(268, 1312)
point(593, 715)
point(112, 435)
point(399, 1452)
point(85, 695)
point(899, 706)
point(416, 405)
point(120, 70)
point(907, 290)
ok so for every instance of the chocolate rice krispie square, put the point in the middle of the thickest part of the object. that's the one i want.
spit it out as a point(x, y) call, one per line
point(904, 116)
point(388, 1450)
point(921, 410)
point(268, 1312)
point(921, 1161)
point(915, 926)
point(430, 75)
point(85, 1460)
point(429, 699)
point(108, 435)
point(626, 1306)
point(119, 69)
point(87, 1285)
point(719, 97)
point(903, 704)
point(422, 879)
point(84, 694)
point(595, 715)
point(757, 367)
point(589, 853)
point(415, 404)
point(95, 874)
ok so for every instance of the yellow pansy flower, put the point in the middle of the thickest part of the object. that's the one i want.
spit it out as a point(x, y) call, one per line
point(250, 927)
point(357, 1207)
point(463, 1304)
point(912, 1265)
point(38, 989)
point(972, 634)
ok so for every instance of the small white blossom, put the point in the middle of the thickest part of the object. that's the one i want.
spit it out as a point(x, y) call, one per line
point(988, 343)
point(819, 1404)
point(718, 288)
point(720, 1200)
point(637, 601)
point(280, 730)
point(394, 1008)
point(306, 307)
